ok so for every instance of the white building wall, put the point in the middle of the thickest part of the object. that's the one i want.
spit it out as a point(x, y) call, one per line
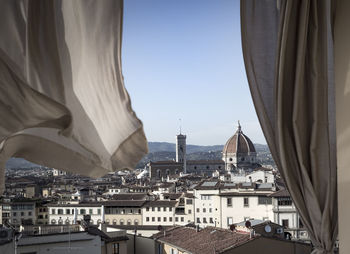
point(65, 217)
point(261, 175)
point(207, 208)
point(156, 216)
point(238, 212)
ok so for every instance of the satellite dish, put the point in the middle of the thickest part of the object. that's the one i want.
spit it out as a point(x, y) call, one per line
point(232, 227)
point(248, 224)
point(267, 228)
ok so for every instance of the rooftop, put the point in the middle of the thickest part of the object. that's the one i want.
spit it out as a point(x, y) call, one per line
point(207, 241)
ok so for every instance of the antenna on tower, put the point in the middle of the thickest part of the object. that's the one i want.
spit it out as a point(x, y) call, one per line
point(180, 124)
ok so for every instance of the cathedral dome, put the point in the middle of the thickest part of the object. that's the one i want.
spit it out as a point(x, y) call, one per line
point(239, 144)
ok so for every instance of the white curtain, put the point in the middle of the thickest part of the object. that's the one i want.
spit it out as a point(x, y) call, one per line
point(63, 103)
point(288, 54)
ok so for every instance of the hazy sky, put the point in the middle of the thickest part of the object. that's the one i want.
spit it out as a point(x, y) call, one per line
point(183, 59)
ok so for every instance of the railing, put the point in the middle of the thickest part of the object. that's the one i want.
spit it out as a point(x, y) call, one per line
point(45, 230)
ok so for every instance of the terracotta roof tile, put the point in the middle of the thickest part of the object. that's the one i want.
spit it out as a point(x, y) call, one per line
point(207, 241)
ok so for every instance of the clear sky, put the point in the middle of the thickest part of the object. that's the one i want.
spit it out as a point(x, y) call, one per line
point(183, 59)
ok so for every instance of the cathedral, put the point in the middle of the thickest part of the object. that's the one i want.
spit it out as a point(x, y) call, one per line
point(238, 155)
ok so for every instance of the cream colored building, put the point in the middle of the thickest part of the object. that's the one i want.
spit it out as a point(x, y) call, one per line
point(124, 212)
point(68, 213)
point(221, 204)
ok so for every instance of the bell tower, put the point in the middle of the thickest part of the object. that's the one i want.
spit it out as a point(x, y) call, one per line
point(181, 150)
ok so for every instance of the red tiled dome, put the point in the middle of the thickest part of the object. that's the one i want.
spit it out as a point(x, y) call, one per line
point(239, 144)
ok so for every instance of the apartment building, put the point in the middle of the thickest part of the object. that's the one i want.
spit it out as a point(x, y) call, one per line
point(123, 212)
point(68, 213)
point(222, 204)
point(207, 204)
point(159, 212)
point(285, 214)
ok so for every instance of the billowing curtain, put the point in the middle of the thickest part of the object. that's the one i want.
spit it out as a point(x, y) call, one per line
point(288, 54)
point(63, 103)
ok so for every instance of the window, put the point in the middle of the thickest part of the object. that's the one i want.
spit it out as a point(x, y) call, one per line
point(158, 209)
point(189, 211)
point(129, 222)
point(176, 219)
point(182, 219)
point(147, 209)
point(210, 210)
point(159, 219)
point(211, 220)
point(170, 209)
point(285, 223)
point(246, 202)
point(188, 201)
point(53, 211)
point(147, 218)
point(153, 219)
point(82, 211)
point(29, 213)
point(229, 221)
point(67, 211)
point(14, 214)
point(121, 222)
point(198, 220)
point(72, 211)
point(197, 210)
point(152, 209)
point(204, 210)
point(170, 219)
point(22, 213)
point(301, 225)
point(205, 197)
point(264, 201)
point(90, 211)
point(139, 211)
point(136, 222)
point(164, 219)
point(173, 251)
point(204, 220)
point(160, 249)
point(164, 209)
point(285, 202)
point(229, 202)
point(99, 211)
point(115, 248)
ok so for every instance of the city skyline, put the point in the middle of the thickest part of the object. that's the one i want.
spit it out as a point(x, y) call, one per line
point(184, 60)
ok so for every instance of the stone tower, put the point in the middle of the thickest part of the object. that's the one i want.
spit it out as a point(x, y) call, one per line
point(181, 150)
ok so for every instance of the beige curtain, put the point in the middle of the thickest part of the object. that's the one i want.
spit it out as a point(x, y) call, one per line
point(287, 47)
point(63, 103)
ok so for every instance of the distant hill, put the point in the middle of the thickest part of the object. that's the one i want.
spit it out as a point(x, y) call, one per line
point(170, 147)
point(160, 151)
point(19, 163)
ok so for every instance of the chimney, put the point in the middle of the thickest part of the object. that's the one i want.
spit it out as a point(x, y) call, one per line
point(102, 213)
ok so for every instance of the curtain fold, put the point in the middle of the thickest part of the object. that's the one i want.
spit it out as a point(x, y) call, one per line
point(288, 54)
point(63, 103)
